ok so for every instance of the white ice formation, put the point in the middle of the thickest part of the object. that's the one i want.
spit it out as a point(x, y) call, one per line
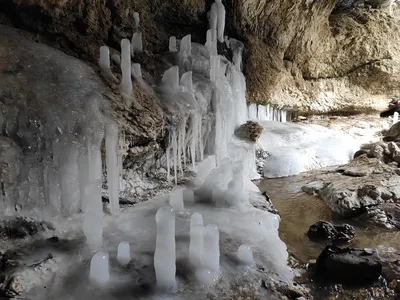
point(124, 253)
point(267, 113)
point(196, 240)
point(176, 199)
point(165, 256)
point(99, 269)
point(245, 255)
point(293, 148)
point(172, 44)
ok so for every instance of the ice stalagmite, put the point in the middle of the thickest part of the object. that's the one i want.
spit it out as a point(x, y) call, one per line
point(165, 256)
point(210, 258)
point(221, 20)
point(245, 255)
point(99, 269)
point(126, 83)
point(112, 166)
point(172, 44)
point(136, 17)
point(124, 253)
point(136, 43)
point(170, 80)
point(185, 51)
point(104, 63)
point(261, 112)
point(196, 240)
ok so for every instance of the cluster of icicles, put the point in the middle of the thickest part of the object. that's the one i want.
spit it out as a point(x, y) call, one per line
point(204, 252)
point(194, 134)
point(267, 113)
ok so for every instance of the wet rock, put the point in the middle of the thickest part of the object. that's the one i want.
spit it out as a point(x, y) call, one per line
point(21, 227)
point(312, 187)
point(249, 131)
point(349, 265)
point(324, 231)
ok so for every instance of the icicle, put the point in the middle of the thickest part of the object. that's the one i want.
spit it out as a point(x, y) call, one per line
point(214, 20)
point(237, 49)
point(112, 166)
point(261, 113)
point(221, 20)
point(136, 44)
point(136, 17)
point(126, 84)
point(253, 112)
point(175, 155)
point(104, 63)
point(172, 44)
point(181, 146)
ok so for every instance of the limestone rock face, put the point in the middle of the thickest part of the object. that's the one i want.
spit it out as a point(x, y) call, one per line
point(321, 56)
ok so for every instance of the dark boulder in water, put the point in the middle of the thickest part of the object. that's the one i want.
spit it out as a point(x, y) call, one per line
point(325, 231)
point(349, 265)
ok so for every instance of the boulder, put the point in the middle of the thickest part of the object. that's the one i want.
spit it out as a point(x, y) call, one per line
point(324, 231)
point(249, 131)
point(349, 265)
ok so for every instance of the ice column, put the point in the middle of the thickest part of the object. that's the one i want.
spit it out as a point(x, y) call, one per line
point(172, 44)
point(112, 166)
point(99, 269)
point(196, 240)
point(165, 256)
point(126, 83)
point(245, 255)
point(124, 253)
point(104, 63)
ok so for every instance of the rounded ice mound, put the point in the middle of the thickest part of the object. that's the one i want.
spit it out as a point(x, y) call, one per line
point(295, 148)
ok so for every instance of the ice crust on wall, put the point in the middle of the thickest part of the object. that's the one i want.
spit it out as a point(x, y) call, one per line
point(295, 148)
point(61, 135)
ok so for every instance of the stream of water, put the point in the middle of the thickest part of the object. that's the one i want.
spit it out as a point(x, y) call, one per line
point(299, 211)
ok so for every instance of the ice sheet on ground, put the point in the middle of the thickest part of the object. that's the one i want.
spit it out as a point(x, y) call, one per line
point(295, 148)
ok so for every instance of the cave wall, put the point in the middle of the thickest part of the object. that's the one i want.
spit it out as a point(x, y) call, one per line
point(321, 56)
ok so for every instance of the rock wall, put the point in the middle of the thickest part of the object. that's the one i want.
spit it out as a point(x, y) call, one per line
point(320, 56)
